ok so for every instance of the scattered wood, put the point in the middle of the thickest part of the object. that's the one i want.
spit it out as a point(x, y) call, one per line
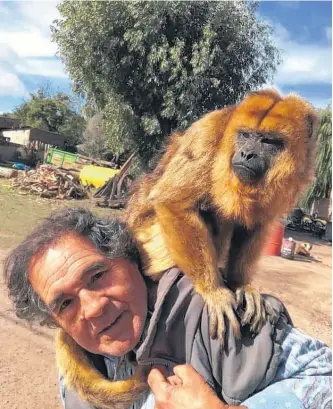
point(85, 160)
point(49, 181)
point(113, 204)
point(115, 190)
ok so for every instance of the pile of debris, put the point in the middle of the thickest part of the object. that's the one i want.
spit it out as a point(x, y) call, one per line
point(114, 191)
point(51, 182)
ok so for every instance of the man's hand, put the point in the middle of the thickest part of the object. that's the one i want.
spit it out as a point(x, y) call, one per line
point(186, 389)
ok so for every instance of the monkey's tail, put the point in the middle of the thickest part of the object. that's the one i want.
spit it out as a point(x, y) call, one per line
point(73, 363)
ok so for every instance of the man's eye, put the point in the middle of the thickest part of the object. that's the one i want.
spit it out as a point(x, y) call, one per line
point(65, 304)
point(97, 276)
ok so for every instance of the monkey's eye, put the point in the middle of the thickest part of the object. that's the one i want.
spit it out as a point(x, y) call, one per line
point(277, 143)
point(244, 135)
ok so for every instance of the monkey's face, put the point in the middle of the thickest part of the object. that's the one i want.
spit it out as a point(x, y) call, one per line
point(254, 154)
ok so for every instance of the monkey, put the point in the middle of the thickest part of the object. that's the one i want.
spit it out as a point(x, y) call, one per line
point(207, 207)
point(210, 202)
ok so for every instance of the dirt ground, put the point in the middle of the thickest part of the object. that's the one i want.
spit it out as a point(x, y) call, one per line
point(28, 377)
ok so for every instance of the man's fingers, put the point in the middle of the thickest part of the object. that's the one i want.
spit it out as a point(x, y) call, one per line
point(156, 378)
point(186, 371)
point(174, 380)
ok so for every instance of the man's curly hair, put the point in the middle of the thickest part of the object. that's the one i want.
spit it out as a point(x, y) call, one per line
point(110, 236)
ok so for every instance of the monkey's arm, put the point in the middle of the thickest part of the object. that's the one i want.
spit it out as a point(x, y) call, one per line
point(243, 255)
point(191, 248)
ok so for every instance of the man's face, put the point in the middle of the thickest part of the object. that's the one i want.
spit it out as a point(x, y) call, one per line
point(101, 303)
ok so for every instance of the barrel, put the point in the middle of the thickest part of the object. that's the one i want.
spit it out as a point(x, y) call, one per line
point(274, 241)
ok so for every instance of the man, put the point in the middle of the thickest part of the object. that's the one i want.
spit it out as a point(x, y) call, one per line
point(82, 274)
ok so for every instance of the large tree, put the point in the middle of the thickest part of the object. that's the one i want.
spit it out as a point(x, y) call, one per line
point(52, 111)
point(167, 62)
point(322, 186)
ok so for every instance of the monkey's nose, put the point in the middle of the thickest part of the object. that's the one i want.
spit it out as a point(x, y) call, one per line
point(248, 155)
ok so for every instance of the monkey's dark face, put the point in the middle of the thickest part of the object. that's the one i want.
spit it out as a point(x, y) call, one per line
point(254, 154)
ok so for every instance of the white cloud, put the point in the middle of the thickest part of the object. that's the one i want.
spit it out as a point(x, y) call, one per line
point(28, 43)
point(10, 84)
point(25, 44)
point(302, 63)
point(328, 32)
point(45, 68)
point(3, 10)
point(39, 13)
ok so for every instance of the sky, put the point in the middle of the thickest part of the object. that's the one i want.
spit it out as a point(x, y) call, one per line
point(302, 30)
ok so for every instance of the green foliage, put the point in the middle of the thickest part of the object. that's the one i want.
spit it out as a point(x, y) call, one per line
point(168, 62)
point(112, 131)
point(322, 186)
point(119, 124)
point(52, 112)
point(95, 143)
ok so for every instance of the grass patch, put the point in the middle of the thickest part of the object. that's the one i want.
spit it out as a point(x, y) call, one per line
point(20, 213)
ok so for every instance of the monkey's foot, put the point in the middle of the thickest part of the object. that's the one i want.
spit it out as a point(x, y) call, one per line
point(222, 305)
point(257, 310)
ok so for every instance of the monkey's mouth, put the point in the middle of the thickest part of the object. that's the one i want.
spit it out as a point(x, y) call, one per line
point(246, 174)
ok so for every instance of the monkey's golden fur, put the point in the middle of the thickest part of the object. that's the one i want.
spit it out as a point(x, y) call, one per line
point(89, 384)
point(163, 214)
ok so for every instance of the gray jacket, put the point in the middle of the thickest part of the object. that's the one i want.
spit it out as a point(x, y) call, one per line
point(178, 332)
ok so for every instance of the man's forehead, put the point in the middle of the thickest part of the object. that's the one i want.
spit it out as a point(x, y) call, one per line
point(68, 248)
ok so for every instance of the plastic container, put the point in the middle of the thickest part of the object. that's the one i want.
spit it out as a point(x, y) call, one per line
point(274, 242)
point(96, 175)
point(288, 248)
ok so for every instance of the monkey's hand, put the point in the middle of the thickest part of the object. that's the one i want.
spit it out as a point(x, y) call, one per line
point(257, 310)
point(222, 305)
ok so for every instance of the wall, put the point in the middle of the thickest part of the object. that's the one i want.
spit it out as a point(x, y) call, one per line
point(19, 136)
point(7, 152)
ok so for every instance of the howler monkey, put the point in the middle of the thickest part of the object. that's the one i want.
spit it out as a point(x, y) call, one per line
point(214, 194)
point(209, 203)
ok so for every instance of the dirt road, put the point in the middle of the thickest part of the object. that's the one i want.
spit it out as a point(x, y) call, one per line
point(27, 370)
point(304, 286)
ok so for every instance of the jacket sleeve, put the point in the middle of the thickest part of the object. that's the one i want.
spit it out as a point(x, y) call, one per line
point(242, 367)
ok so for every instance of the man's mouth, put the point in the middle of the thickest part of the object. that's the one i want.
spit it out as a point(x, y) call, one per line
point(111, 325)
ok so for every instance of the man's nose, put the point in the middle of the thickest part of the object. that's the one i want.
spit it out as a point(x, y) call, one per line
point(92, 304)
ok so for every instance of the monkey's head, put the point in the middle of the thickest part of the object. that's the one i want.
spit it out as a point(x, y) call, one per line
point(266, 152)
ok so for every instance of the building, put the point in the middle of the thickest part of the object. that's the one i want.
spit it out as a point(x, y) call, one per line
point(17, 143)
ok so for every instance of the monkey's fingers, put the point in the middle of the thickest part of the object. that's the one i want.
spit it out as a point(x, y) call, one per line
point(244, 294)
point(221, 307)
point(259, 316)
point(254, 313)
point(217, 327)
point(271, 313)
point(233, 320)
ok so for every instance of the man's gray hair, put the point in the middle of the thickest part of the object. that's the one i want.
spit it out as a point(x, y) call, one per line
point(110, 236)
